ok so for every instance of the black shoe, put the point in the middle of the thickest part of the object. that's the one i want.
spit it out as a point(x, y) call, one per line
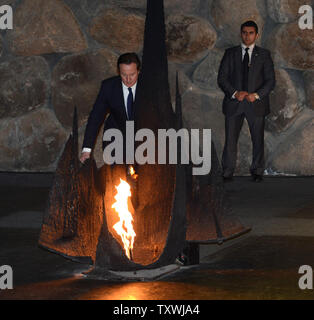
point(257, 178)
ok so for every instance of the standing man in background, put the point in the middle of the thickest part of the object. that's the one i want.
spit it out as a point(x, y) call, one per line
point(115, 100)
point(246, 76)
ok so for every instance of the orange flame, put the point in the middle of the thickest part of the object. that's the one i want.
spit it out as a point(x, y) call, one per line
point(124, 227)
point(132, 171)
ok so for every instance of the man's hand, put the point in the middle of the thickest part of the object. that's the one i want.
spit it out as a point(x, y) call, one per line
point(84, 156)
point(240, 95)
point(250, 97)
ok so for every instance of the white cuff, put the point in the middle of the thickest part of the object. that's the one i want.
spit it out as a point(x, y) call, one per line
point(233, 96)
point(89, 150)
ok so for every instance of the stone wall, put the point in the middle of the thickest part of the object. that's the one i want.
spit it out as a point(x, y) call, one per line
point(59, 51)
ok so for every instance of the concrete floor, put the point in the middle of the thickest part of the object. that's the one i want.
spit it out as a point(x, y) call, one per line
point(262, 264)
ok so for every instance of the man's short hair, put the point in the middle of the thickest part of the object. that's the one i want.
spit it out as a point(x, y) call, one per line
point(128, 58)
point(249, 23)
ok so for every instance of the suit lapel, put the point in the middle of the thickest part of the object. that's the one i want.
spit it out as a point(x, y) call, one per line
point(238, 57)
point(121, 100)
point(254, 56)
point(238, 66)
point(254, 59)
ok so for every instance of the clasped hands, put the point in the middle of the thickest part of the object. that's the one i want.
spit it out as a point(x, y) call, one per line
point(241, 95)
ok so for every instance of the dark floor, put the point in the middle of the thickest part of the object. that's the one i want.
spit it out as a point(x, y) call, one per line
point(262, 264)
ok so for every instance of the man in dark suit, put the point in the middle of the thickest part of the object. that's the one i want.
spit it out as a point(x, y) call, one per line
point(115, 101)
point(246, 76)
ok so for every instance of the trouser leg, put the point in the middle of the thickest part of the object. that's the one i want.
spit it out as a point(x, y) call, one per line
point(233, 127)
point(256, 125)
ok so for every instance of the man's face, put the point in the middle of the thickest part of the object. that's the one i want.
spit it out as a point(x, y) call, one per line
point(248, 35)
point(129, 73)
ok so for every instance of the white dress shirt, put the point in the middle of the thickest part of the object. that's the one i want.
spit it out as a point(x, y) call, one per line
point(250, 51)
point(126, 94)
point(125, 90)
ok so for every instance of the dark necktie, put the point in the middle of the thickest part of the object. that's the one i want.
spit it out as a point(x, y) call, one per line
point(130, 104)
point(245, 77)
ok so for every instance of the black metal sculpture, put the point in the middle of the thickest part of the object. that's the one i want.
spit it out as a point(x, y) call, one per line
point(171, 208)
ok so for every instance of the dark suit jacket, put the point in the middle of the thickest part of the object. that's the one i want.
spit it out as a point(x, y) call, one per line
point(109, 101)
point(261, 79)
